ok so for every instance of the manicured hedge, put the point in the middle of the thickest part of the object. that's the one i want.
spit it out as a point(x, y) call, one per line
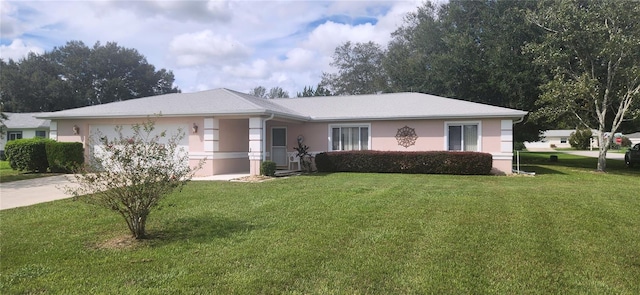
point(64, 157)
point(432, 162)
point(28, 154)
point(268, 168)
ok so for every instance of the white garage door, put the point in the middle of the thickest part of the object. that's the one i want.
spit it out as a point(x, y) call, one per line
point(109, 131)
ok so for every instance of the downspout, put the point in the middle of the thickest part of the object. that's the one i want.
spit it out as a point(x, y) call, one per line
point(519, 120)
point(264, 137)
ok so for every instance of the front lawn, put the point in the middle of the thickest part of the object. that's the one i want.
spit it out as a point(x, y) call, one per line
point(7, 174)
point(568, 230)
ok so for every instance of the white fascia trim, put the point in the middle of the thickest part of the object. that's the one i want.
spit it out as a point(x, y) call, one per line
point(502, 156)
point(218, 155)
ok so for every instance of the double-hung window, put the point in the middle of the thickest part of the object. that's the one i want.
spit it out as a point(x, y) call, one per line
point(349, 137)
point(463, 136)
point(13, 135)
point(41, 133)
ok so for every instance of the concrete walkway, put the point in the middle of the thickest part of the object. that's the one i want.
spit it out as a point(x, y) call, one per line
point(46, 189)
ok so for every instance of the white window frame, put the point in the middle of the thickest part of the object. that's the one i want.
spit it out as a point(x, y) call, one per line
point(462, 123)
point(348, 125)
point(14, 133)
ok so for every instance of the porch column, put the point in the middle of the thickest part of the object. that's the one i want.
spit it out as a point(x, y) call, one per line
point(211, 135)
point(506, 136)
point(255, 144)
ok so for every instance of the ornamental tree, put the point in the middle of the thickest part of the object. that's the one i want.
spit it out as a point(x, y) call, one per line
point(133, 171)
point(592, 50)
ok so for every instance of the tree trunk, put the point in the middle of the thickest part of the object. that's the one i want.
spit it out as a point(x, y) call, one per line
point(602, 151)
point(602, 160)
point(137, 225)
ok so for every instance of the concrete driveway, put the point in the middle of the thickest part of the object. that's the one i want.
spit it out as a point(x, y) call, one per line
point(33, 191)
point(46, 189)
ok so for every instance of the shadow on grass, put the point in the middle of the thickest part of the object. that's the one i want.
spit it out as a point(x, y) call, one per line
point(198, 229)
point(539, 169)
point(534, 159)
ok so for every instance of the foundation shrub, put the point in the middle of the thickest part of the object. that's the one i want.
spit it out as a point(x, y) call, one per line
point(431, 162)
point(268, 168)
point(64, 157)
point(28, 154)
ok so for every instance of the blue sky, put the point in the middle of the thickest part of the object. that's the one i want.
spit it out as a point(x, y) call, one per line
point(208, 44)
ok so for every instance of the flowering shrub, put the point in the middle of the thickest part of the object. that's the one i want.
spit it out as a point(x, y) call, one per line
point(131, 174)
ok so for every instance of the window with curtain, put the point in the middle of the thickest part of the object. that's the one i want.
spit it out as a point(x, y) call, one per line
point(463, 137)
point(349, 138)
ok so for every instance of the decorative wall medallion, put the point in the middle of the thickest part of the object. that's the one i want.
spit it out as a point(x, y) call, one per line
point(406, 136)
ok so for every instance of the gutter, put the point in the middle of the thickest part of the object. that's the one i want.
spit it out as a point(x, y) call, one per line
point(264, 136)
point(519, 120)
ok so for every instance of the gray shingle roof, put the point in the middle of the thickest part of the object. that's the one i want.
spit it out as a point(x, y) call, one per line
point(210, 103)
point(406, 105)
point(25, 121)
point(357, 107)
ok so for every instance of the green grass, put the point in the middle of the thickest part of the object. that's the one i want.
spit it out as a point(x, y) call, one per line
point(568, 230)
point(7, 174)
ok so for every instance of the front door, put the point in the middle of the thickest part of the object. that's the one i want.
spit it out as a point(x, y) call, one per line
point(279, 146)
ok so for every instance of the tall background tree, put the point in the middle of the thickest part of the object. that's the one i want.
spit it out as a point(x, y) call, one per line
point(274, 92)
point(592, 48)
point(308, 91)
point(471, 50)
point(76, 75)
point(359, 70)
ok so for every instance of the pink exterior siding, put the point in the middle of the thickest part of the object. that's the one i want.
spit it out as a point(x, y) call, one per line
point(431, 137)
point(228, 139)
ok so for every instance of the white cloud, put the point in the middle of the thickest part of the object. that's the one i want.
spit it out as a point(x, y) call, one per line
point(300, 59)
point(258, 69)
point(325, 38)
point(17, 50)
point(209, 44)
point(8, 22)
point(206, 48)
point(177, 10)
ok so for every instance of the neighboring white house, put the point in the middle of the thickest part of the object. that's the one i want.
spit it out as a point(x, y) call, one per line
point(634, 137)
point(23, 125)
point(558, 139)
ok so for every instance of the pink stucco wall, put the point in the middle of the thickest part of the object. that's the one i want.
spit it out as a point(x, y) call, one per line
point(232, 153)
point(431, 136)
point(234, 135)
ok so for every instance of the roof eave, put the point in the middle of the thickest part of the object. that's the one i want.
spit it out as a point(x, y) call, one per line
point(219, 114)
point(456, 117)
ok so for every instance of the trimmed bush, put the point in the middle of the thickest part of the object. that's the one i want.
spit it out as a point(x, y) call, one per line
point(432, 162)
point(268, 168)
point(28, 154)
point(580, 139)
point(626, 142)
point(64, 157)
